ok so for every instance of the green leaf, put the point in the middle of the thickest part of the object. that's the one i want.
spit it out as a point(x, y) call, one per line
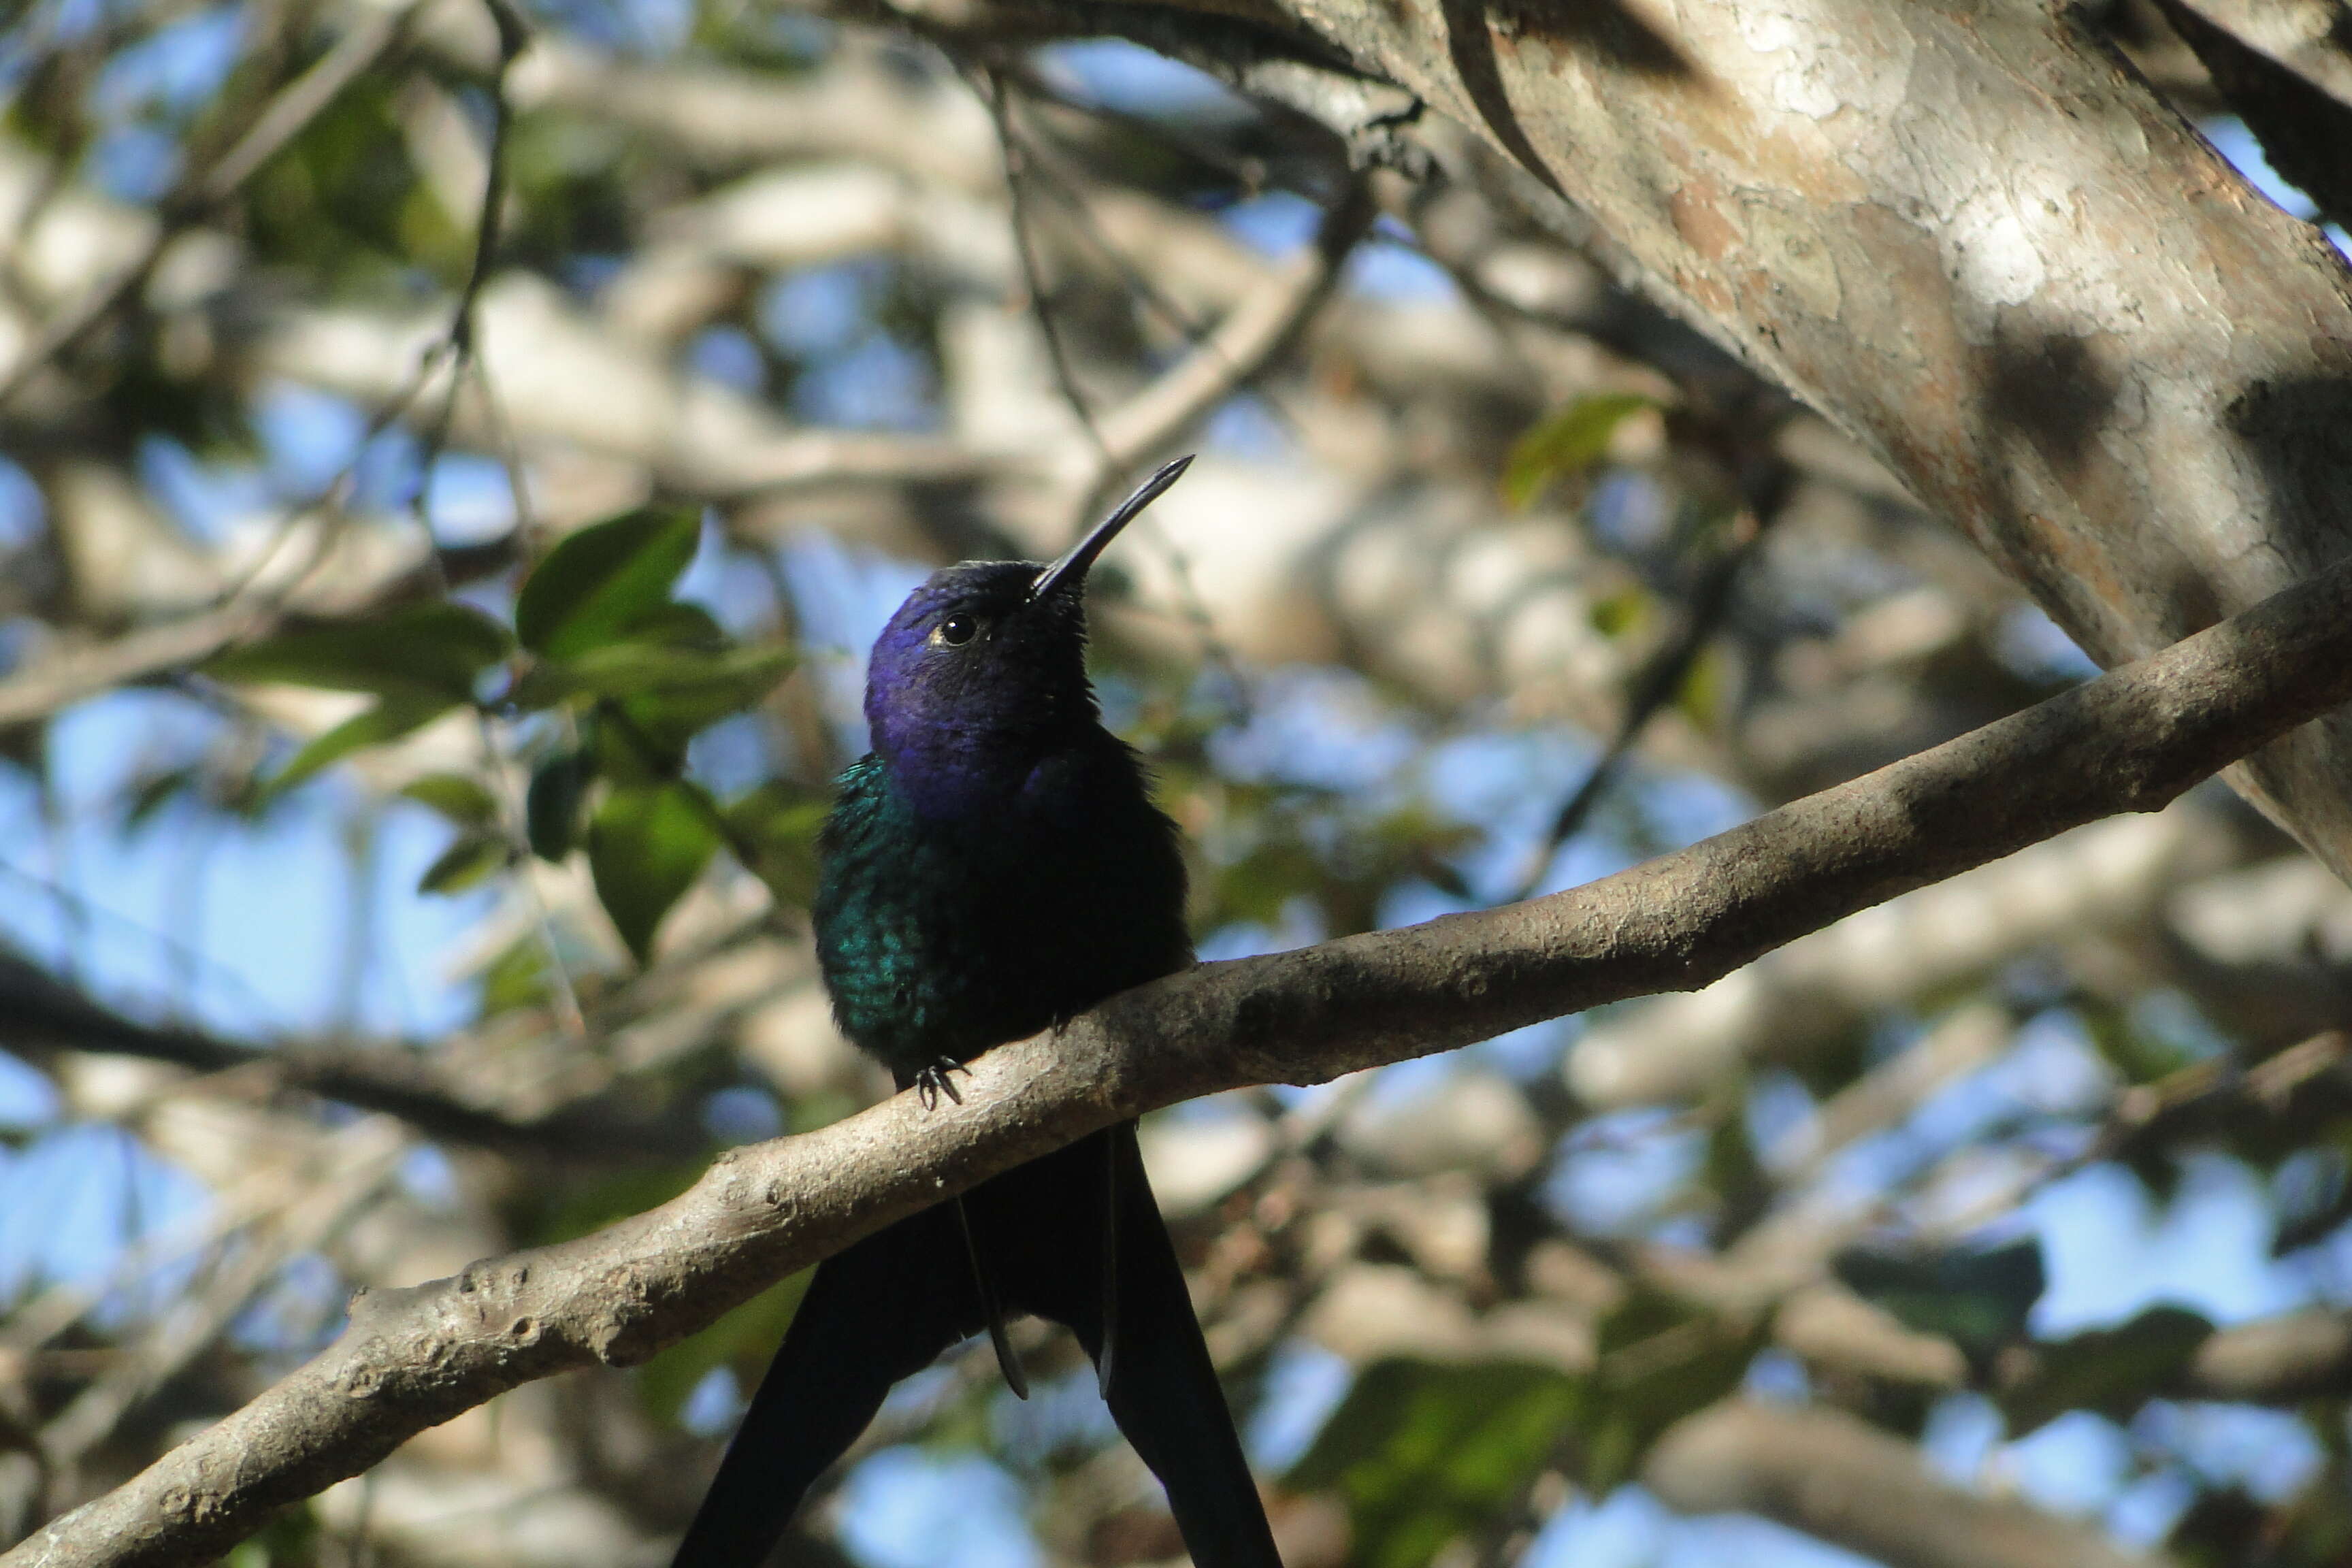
point(552, 805)
point(1622, 611)
point(289, 1539)
point(778, 824)
point(157, 790)
point(671, 717)
point(462, 800)
point(1425, 1452)
point(723, 682)
point(600, 582)
point(400, 713)
point(517, 977)
point(563, 1213)
point(473, 859)
point(2112, 1371)
point(1979, 1299)
point(1661, 1359)
point(1706, 692)
point(646, 845)
point(642, 739)
point(675, 625)
point(1566, 443)
point(414, 650)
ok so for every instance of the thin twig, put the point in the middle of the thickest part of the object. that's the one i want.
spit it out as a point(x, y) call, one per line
point(512, 39)
point(1252, 334)
point(247, 608)
point(186, 958)
point(1016, 151)
point(1033, 276)
point(46, 1014)
point(1653, 691)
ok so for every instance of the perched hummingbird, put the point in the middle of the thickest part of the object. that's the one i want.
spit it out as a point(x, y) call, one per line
point(994, 868)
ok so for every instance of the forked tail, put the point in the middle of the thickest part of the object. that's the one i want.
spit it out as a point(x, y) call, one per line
point(1056, 1239)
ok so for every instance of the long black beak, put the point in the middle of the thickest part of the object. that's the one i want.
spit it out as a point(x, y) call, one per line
point(1071, 570)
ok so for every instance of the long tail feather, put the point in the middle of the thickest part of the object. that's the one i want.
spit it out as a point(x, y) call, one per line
point(1052, 1221)
point(1107, 1357)
point(1000, 1337)
point(1075, 1237)
point(874, 1313)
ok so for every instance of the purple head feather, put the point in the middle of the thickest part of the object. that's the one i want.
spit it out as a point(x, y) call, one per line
point(982, 672)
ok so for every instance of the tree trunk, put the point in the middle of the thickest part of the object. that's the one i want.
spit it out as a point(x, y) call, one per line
point(1969, 235)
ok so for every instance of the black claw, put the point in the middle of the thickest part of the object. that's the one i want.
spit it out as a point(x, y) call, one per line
point(937, 1079)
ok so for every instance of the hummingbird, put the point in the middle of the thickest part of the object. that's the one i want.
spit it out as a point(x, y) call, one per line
point(992, 868)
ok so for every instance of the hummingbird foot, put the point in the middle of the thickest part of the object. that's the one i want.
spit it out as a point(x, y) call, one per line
point(938, 1079)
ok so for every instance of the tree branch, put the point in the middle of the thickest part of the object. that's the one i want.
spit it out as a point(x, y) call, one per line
point(412, 1358)
point(1834, 1476)
point(2289, 75)
point(39, 1013)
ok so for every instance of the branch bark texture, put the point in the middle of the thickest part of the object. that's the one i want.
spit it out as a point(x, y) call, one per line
point(412, 1358)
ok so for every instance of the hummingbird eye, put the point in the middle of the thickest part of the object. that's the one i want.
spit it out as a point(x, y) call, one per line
point(956, 631)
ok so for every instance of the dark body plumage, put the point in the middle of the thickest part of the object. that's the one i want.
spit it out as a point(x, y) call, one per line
point(995, 866)
point(941, 935)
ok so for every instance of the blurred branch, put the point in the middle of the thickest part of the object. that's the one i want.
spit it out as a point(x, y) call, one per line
point(991, 86)
point(2282, 1360)
point(254, 602)
point(63, 678)
point(253, 605)
point(2285, 1360)
point(1806, 995)
point(43, 1014)
point(2311, 1081)
point(1256, 330)
point(732, 117)
point(412, 1358)
point(567, 383)
point(1834, 1476)
point(374, 35)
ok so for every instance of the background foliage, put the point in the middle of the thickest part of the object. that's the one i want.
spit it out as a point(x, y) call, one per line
point(454, 461)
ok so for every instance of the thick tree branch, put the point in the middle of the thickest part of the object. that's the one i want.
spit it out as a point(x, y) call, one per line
point(412, 1358)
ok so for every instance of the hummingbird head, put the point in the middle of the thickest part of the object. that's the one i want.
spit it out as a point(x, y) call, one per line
point(984, 665)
